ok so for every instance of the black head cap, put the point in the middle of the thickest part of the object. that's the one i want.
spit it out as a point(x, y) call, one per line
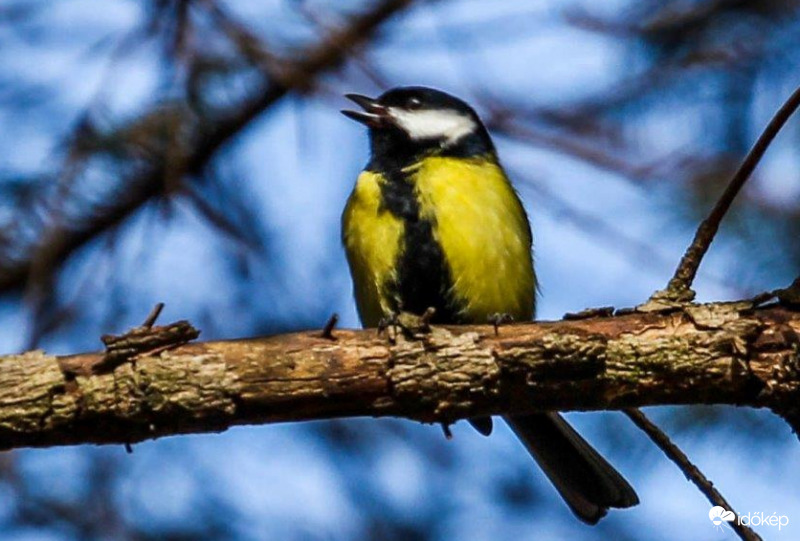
point(411, 121)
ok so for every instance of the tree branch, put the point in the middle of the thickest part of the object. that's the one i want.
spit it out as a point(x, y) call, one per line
point(679, 288)
point(724, 353)
point(203, 140)
point(691, 471)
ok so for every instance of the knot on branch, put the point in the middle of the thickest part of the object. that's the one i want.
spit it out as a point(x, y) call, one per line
point(673, 298)
point(143, 340)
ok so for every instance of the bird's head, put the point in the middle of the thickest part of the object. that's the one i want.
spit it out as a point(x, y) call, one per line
point(413, 120)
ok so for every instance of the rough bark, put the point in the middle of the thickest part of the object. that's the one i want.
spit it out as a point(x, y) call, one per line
point(704, 354)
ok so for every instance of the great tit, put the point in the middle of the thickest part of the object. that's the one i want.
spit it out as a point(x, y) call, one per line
point(433, 221)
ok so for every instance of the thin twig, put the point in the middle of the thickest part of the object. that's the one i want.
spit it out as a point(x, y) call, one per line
point(679, 288)
point(327, 330)
point(153, 315)
point(691, 471)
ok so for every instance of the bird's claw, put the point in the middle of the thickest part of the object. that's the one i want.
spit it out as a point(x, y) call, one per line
point(498, 319)
point(409, 324)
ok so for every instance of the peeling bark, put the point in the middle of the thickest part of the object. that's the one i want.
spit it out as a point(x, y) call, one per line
point(722, 353)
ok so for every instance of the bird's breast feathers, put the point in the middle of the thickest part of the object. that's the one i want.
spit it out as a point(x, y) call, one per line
point(372, 238)
point(476, 218)
point(484, 233)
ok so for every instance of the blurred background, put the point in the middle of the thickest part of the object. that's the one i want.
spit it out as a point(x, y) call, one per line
point(192, 152)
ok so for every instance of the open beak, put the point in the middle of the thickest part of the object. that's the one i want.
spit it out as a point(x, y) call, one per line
point(373, 115)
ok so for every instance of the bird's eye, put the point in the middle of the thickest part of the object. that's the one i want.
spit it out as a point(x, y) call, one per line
point(413, 103)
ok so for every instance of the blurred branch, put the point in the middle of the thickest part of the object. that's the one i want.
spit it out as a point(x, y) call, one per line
point(722, 353)
point(691, 471)
point(572, 145)
point(639, 253)
point(152, 164)
point(679, 288)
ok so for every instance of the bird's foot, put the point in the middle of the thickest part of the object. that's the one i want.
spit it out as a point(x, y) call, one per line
point(409, 324)
point(498, 319)
point(412, 324)
point(388, 324)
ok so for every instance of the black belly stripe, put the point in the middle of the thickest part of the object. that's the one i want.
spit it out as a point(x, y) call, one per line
point(424, 279)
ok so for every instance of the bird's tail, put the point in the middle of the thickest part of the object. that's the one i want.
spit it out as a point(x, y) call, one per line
point(586, 481)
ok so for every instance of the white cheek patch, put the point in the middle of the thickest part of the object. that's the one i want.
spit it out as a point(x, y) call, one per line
point(447, 125)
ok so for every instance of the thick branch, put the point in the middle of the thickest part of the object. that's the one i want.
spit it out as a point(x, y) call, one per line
point(710, 354)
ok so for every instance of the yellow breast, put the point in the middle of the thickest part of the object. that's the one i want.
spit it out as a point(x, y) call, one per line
point(372, 239)
point(484, 232)
point(477, 220)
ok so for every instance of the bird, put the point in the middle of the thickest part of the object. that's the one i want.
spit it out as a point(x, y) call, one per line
point(433, 221)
